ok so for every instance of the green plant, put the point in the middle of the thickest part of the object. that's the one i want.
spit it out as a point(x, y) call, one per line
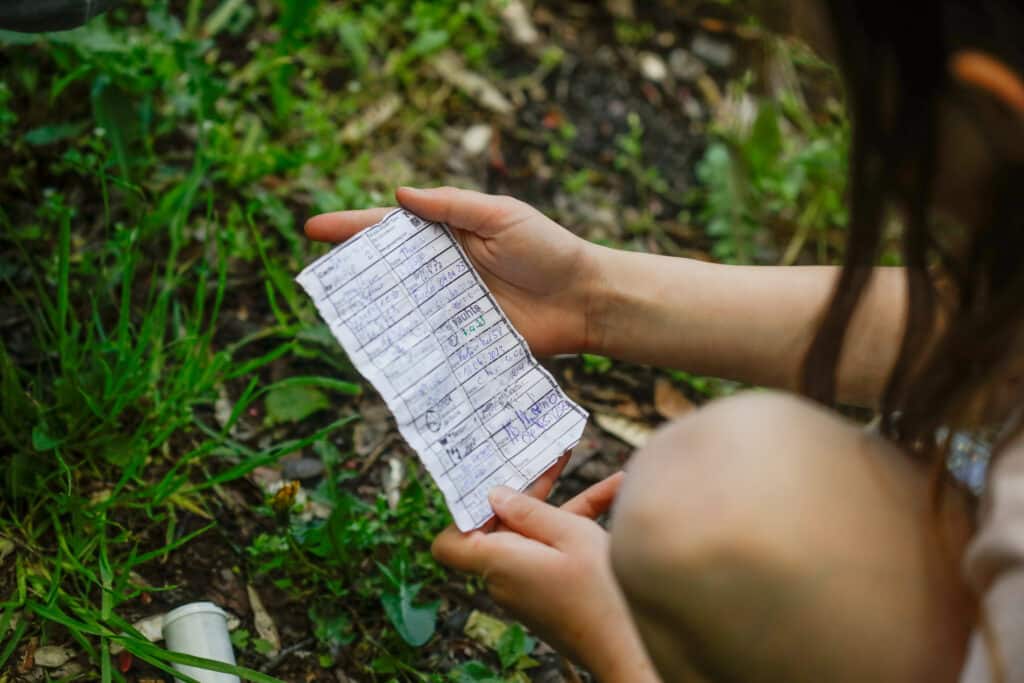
point(629, 158)
point(155, 160)
point(787, 172)
point(592, 363)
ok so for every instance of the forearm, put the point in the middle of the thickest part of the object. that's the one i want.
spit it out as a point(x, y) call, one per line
point(748, 323)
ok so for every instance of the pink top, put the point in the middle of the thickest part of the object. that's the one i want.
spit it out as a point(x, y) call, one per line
point(994, 566)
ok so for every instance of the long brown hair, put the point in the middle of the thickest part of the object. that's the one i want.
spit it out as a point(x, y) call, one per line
point(965, 306)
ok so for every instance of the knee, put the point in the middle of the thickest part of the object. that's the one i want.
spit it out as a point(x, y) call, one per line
point(708, 493)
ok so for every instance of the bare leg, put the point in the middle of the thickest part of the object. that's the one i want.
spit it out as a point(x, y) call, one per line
point(765, 539)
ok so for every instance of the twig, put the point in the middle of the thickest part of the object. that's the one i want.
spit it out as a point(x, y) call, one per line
point(376, 453)
point(277, 660)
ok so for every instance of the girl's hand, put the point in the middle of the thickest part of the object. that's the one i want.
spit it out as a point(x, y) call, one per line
point(549, 567)
point(541, 273)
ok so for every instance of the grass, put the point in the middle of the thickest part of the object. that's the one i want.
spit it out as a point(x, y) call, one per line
point(156, 353)
point(155, 163)
point(779, 177)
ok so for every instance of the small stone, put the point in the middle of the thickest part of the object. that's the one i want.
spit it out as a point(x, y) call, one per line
point(151, 627)
point(653, 67)
point(621, 9)
point(713, 51)
point(52, 656)
point(684, 65)
point(302, 468)
point(692, 108)
point(476, 139)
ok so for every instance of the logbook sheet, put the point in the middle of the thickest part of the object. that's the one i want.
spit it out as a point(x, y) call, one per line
point(417, 321)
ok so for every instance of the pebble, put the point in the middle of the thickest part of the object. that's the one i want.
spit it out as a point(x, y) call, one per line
point(713, 51)
point(653, 67)
point(684, 65)
point(302, 468)
point(476, 139)
point(52, 656)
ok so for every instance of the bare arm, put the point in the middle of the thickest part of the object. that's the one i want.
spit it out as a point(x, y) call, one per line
point(749, 323)
point(567, 295)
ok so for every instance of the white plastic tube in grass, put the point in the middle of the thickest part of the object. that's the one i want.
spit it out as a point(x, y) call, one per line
point(200, 629)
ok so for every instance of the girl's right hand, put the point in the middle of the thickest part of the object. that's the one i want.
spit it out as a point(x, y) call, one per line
point(542, 275)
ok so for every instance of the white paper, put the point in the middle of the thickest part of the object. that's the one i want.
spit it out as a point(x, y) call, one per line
point(417, 321)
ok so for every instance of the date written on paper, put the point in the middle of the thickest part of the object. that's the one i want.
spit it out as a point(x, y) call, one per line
point(417, 321)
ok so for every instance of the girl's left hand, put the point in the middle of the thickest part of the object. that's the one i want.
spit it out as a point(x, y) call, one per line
point(550, 568)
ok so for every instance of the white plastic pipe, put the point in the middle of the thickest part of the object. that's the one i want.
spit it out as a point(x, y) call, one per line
point(200, 629)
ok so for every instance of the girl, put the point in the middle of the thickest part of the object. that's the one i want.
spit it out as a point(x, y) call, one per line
point(765, 537)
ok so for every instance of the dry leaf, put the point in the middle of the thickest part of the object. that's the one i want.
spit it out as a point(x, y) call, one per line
point(629, 409)
point(449, 67)
point(520, 26)
point(372, 118)
point(265, 627)
point(669, 401)
point(485, 629)
point(632, 432)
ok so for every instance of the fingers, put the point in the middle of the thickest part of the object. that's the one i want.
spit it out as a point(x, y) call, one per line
point(481, 553)
point(476, 212)
point(458, 550)
point(595, 500)
point(338, 226)
point(534, 518)
point(540, 488)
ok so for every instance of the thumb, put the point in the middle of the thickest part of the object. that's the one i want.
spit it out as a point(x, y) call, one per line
point(483, 214)
point(534, 518)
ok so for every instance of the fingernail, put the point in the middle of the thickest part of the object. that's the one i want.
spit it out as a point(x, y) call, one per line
point(414, 191)
point(500, 494)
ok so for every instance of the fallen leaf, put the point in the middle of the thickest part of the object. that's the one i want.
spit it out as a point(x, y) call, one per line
point(632, 432)
point(372, 118)
point(669, 401)
point(449, 67)
point(27, 662)
point(265, 627)
point(517, 19)
point(485, 629)
point(629, 409)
